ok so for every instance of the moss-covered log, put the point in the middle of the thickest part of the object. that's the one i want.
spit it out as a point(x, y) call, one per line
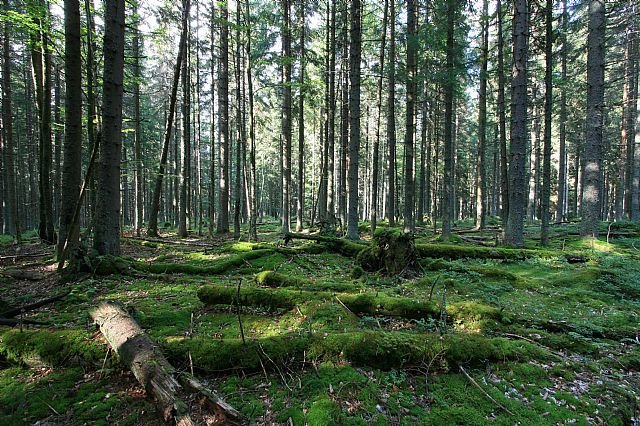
point(361, 304)
point(384, 350)
point(452, 251)
point(345, 247)
point(147, 363)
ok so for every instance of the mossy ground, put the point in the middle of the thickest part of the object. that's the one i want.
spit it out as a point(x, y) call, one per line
point(553, 342)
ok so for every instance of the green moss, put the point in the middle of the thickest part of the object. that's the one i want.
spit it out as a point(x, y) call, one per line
point(50, 348)
point(218, 295)
point(323, 412)
point(217, 267)
point(474, 311)
point(275, 279)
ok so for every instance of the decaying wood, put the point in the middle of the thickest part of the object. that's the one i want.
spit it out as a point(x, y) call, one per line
point(149, 366)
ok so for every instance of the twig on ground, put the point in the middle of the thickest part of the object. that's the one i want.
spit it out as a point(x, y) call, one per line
point(485, 392)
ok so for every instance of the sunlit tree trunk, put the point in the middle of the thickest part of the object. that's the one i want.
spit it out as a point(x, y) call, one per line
point(481, 172)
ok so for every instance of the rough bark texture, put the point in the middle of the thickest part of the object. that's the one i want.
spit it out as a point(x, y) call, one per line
point(449, 149)
point(481, 173)
point(376, 144)
point(286, 116)
point(355, 53)
point(152, 229)
point(391, 118)
point(593, 149)
point(561, 209)
point(502, 123)
point(107, 215)
point(514, 229)
point(185, 142)
point(72, 149)
point(300, 201)
point(140, 354)
point(410, 127)
point(253, 204)
point(548, 99)
point(222, 226)
point(139, 209)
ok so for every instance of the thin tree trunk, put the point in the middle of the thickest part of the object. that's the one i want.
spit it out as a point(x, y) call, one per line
point(593, 150)
point(376, 145)
point(185, 141)
point(152, 229)
point(449, 149)
point(301, 127)
point(137, 45)
point(253, 202)
point(223, 120)
point(502, 122)
point(561, 209)
point(286, 116)
point(391, 118)
point(410, 127)
point(514, 229)
point(355, 53)
point(481, 172)
point(107, 216)
point(548, 105)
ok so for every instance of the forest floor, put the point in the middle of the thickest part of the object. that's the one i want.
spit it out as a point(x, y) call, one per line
point(547, 337)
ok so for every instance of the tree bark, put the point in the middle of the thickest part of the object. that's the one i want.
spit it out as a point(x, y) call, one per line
point(223, 121)
point(481, 172)
point(502, 123)
point(355, 53)
point(410, 127)
point(72, 150)
point(301, 127)
point(449, 149)
point(548, 105)
point(107, 216)
point(286, 116)
point(152, 229)
point(253, 202)
point(137, 50)
point(514, 229)
point(185, 141)
point(391, 118)
point(593, 150)
point(561, 209)
point(152, 370)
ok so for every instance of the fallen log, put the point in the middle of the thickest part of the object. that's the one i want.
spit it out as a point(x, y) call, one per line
point(15, 322)
point(12, 312)
point(342, 246)
point(152, 370)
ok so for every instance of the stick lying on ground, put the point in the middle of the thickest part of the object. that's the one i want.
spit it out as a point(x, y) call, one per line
point(136, 350)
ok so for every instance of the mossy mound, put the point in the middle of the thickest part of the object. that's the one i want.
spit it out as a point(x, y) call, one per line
point(217, 267)
point(49, 348)
point(383, 350)
point(275, 279)
point(391, 252)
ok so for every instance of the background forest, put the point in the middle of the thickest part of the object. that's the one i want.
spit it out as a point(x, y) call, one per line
point(423, 113)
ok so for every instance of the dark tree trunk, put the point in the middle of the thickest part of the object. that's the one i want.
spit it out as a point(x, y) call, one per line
point(561, 209)
point(72, 150)
point(391, 118)
point(152, 229)
point(514, 229)
point(137, 47)
point(185, 141)
point(449, 149)
point(502, 123)
point(355, 53)
point(107, 216)
point(301, 129)
point(253, 202)
point(331, 120)
point(376, 144)
point(481, 172)
point(223, 122)
point(410, 127)
point(593, 150)
point(548, 105)
point(286, 116)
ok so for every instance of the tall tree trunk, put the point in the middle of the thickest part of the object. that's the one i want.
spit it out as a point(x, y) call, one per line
point(253, 201)
point(548, 105)
point(410, 127)
point(341, 174)
point(223, 120)
point(300, 206)
point(449, 149)
point(212, 133)
point(481, 172)
point(57, 161)
point(514, 229)
point(72, 150)
point(593, 150)
point(376, 145)
point(391, 118)
point(92, 109)
point(41, 61)
point(137, 48)
point(424, 159)
point(502, 122)
point(634, 136)
point(239, 129)
point(107, 216)
point(286, 116)
point(185, 141)
point(355, 53)
point(561, 209)
point(152, 229)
